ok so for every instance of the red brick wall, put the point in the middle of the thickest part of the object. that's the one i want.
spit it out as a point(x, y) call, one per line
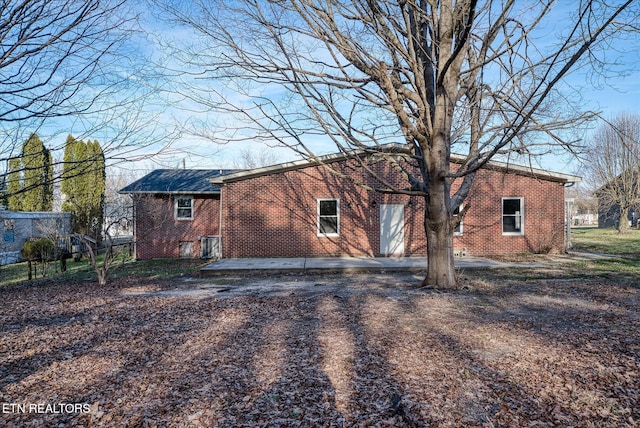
point(276, 215)
point(543, 215)
point(158, 234)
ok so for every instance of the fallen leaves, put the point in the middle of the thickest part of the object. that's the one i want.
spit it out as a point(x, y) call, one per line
point(355, 350)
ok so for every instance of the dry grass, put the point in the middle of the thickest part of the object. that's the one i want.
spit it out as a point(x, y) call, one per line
point(360, 350)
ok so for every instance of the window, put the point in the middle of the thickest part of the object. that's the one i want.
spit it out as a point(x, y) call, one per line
point(186, 249)
point(328, 217)
point(457, 230)
point(184, 208)
point(512, 216)
point(8, 231)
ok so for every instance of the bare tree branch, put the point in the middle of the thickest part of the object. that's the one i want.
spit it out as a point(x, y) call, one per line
point(69, 66)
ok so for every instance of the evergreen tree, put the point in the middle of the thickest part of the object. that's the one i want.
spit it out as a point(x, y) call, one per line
point(3, 192)
point(74, 163)
point(83, 184)
point(30, 178)
point(96, 188)
point(14, 185)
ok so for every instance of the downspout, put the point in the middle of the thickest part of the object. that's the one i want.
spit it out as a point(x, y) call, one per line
point(568, 209)
point(135, 227)
point(220, 220)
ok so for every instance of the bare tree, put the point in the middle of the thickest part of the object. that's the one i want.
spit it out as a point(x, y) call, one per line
point(477, 78)
point(115, 247)
point(119, 205)
point(249, 159)
point(69, 66)
point(614, 167)
point(56, 231)
point(113, 250)
point(113, 253)
point(53, 57)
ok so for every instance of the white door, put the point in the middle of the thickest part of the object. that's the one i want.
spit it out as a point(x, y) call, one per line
point(392, 230)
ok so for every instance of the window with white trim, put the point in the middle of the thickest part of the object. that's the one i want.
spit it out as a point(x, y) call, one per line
point(458, 229)
point(512, 216)
point(183, 207)
point(328, 217)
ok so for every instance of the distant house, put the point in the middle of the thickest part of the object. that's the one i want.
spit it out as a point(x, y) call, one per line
point(584, 210)
point(302, 209)
point(18, 227)
point(609, 196)
point(609, 214)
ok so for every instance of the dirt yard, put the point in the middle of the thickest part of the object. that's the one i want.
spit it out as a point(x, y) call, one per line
point(332, 350)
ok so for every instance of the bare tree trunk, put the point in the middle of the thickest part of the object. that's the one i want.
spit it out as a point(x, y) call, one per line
point(103, 270)
point(102, 277)
point(440, 271)
point(438, 229)
point(623, 223)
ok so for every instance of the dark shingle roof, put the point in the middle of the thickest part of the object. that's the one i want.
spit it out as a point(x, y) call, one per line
point(177, 181)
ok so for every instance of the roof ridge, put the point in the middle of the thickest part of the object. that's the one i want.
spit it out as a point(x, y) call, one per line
point(177, 181)
point(340, 156)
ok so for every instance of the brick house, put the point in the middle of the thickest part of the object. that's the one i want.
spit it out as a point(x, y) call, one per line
point(176, 214)
point(301, 209)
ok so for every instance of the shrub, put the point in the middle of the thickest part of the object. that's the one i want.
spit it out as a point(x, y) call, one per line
point(40, 249)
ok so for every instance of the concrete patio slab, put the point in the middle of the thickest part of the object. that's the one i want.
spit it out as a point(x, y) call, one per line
point(343, 264)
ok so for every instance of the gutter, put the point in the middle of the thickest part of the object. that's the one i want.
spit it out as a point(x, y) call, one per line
point(165, 192)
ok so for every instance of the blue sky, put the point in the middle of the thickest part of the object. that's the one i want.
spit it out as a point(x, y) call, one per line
point(156, 119)
point(199, 153)
point(618, 93)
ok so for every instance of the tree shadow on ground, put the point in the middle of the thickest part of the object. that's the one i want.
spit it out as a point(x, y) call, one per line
point(382, 354)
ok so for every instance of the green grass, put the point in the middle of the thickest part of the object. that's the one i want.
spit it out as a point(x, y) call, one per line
point(606, 241)
point(82, 271)
point(625, 247)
